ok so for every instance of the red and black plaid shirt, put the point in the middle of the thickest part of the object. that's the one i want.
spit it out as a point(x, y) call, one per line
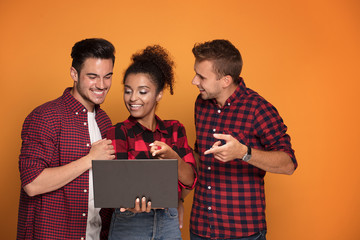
point(131, 141)
point(55, 134)
point(229, 199)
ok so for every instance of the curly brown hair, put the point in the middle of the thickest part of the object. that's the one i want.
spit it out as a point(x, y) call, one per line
point(157, 63)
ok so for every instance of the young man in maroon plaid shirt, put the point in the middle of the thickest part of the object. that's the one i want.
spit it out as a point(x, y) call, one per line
point(239, 137)
point(59, 140)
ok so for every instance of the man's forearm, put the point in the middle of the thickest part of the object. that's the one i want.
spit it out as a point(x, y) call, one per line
point(51, 179)
point(272, 161)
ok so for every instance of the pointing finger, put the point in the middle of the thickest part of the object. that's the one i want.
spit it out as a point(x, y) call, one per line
point(213, 150)
point(225, 137)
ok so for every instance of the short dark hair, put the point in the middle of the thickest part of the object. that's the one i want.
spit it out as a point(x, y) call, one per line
point(157, 63)
point(225, 56)
point(91, 48)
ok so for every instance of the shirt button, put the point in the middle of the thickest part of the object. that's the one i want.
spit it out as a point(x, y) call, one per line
point(84, 214)
point(84, 110)
point(214, 130)
point(82, 238)
point(88, 145)
point(85, 190)
point(209, 187)
point(219, 111)
point(76, 113)
point(209, 208)
point(209, 168)
point(85, 123)
point(228, 104)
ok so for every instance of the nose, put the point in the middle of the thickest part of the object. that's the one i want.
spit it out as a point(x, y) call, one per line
point(133, 97)
point(100, 83)
point(195, 81)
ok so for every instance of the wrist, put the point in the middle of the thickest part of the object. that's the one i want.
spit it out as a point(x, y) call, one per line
point(87, 161)
point(247, 156)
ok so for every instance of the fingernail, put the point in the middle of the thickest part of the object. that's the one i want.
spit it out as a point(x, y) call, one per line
point(137, 200)
point(151, 144)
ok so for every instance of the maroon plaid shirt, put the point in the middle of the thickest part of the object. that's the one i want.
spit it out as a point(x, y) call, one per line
point(229, 199)
point(55, 134)
point(131, 141)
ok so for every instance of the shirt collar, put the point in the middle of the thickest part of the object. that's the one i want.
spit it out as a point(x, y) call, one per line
point(237, 94)
point(139, 129)
point(74, 104)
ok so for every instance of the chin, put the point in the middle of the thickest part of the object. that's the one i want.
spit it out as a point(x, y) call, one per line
point(204, 97)
point(136, 116)
point(99, 101)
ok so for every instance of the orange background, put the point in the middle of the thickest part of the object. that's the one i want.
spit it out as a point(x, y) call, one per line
point(301, 55)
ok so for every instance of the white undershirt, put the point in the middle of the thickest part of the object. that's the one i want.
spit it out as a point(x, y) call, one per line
point(93, 226)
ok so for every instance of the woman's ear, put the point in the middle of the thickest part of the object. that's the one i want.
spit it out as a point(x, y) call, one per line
point(159, 96)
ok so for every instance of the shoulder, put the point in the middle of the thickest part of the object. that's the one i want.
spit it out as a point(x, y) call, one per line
point(172, 123)
point(251, 95)
point(45, 119)
point(48, 110)
point(174, 126)
point(120, 127)
point(258, 102)
point(124, 125)
point(265, 113)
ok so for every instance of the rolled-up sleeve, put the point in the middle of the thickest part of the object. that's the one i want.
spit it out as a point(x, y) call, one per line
point(186, 153)
point(38, 147)
point(271, 130)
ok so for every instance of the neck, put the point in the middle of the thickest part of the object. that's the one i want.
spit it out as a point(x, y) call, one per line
point(89, 106)
point(226, 93)
point(148, 123)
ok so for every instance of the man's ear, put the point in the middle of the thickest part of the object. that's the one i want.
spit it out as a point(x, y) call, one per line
point(227, 80)
point(159, 96)
point(74, 74)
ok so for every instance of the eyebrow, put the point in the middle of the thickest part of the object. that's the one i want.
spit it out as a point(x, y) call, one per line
point(97, 75)
point(201, 76)
point(138, 87)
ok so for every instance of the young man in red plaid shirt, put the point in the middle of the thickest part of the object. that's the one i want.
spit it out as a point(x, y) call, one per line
point(239, 137)
point(59, 140)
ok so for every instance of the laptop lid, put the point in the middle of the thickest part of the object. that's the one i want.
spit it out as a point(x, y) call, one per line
point(117, 183)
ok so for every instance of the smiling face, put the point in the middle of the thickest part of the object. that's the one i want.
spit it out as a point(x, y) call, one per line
point(207, 80)
point(141, 97)
point(93, 82)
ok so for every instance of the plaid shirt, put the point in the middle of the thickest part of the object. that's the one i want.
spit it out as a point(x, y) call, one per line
point(55, 134)
point(131, 141)
point(229, 199)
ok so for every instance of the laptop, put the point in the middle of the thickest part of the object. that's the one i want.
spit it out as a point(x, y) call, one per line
point(117, 183)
